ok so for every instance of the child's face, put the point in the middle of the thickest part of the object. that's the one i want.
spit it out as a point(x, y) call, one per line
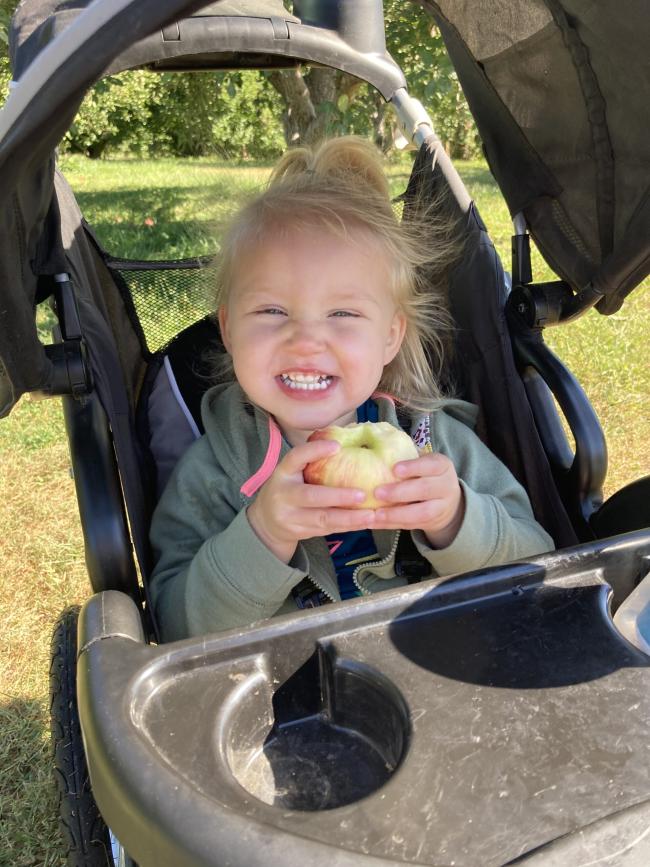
point(310, 325)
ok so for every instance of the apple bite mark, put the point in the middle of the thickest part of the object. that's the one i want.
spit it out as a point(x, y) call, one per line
point(365, 460)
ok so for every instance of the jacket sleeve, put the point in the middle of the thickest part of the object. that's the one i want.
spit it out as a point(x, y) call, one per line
point(212, 572)
point(498, 525)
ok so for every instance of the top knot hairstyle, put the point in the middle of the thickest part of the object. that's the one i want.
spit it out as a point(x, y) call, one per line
point(340, 187)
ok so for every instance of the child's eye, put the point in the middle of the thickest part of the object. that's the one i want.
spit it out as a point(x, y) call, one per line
point(273, 311)
point(344, 313)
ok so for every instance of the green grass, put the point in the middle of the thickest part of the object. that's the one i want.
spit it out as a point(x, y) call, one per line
point(173, 208)
point(165, 209)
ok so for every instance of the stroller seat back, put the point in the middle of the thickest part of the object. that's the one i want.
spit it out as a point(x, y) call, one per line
point(482, 364)
point(169, 412)
point(115, 295)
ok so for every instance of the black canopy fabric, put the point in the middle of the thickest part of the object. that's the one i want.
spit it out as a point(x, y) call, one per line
point(480, 364)
point(560, 92)
point(33, 121)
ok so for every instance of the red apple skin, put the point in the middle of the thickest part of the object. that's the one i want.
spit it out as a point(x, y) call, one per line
point(368, 453)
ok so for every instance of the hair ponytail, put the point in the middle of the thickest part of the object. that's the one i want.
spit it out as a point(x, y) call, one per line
point(349, 159)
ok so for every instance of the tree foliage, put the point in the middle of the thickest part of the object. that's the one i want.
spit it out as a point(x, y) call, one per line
point(324, 101)
point(184, 114)
point(255, 114)
point(6, 10)
point(416, 45)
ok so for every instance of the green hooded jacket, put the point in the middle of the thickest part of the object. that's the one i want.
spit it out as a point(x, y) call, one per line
point(213, 573)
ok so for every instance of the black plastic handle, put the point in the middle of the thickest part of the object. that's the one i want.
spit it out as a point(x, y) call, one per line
point(222, 42)
point(584, 478)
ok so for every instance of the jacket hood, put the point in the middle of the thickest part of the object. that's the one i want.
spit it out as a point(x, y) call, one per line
point(461, 410)
point(245, 439)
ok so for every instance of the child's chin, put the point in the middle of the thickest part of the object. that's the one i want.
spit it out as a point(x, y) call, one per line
point(307, 397)
point(313, 418)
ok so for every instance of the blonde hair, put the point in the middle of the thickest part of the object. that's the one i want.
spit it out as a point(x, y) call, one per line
point(341, 187)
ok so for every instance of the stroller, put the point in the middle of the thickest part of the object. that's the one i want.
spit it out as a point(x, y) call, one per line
point(492, 718)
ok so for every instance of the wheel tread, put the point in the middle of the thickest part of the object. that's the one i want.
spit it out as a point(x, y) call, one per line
point(84, 832)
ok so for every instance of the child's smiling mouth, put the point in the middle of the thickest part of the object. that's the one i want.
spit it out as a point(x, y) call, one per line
point(300, 384)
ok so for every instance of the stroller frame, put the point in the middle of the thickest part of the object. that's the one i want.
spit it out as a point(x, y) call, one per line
point(178, 794)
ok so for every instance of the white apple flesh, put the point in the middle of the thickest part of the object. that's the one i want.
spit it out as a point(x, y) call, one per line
point(368, 453)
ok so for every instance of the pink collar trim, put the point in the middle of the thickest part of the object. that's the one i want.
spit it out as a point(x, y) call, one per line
point(384, 395)
point(252, 485)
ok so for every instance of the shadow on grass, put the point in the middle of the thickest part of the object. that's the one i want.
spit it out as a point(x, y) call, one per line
point(29, 832)
point(150, 223)
point(195, 164)
point(172, 222)
point(162, 200)
point(180, 239)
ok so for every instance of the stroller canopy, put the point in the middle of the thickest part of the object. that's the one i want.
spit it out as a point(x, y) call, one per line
point(559, 90)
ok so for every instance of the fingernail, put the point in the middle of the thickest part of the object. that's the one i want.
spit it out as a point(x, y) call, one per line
point(359, 495)
point(380, 493)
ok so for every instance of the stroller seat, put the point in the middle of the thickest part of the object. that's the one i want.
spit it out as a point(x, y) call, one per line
point(499, 364)
point(494, 717)
point(169, 409)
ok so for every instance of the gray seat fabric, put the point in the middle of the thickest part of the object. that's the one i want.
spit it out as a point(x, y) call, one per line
point(172, 426)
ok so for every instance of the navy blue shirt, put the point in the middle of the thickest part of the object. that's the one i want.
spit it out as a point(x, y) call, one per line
point(346, 549)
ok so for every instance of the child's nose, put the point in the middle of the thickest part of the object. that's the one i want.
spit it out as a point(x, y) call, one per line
point(305, 335)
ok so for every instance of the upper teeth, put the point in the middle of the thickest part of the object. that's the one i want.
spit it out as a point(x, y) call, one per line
point(306, 380)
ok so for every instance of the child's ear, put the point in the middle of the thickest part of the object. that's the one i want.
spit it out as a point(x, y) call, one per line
point(223, 327)
point(395, 336)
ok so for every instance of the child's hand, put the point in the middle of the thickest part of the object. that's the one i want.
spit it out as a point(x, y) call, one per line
point(287, 509)
point(429, 499)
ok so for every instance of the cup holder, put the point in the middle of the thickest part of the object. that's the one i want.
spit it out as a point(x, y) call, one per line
point(333, 733)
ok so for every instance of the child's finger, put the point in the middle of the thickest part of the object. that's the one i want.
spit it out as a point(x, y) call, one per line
point(411, 491)
point(426, 465)
point(409, 516)
point(321, 522)
point(298, 457)
point(323, 496)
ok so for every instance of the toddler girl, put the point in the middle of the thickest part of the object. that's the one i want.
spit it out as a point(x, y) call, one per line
point(326, 321)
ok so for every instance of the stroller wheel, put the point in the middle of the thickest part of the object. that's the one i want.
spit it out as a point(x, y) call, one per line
point(85, 835)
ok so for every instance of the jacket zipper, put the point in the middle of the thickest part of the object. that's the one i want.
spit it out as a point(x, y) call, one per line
point(381, 562)
point(322, 589)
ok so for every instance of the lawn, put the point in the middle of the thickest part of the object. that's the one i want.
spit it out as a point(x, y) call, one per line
point(173, 208)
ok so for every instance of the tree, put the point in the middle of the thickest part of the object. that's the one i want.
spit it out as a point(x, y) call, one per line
point(205, 113)
point(320, 101)
point(312, 101)
point(415, 43)
point(6, 10)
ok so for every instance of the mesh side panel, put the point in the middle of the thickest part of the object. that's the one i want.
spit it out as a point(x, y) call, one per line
point(167, 296)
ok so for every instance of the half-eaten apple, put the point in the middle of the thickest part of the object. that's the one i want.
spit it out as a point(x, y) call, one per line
point(368, 453)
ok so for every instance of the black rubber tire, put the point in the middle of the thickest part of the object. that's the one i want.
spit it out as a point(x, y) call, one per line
point(84, 832)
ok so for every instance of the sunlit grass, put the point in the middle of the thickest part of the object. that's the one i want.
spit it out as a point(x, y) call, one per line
point(42, 573)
